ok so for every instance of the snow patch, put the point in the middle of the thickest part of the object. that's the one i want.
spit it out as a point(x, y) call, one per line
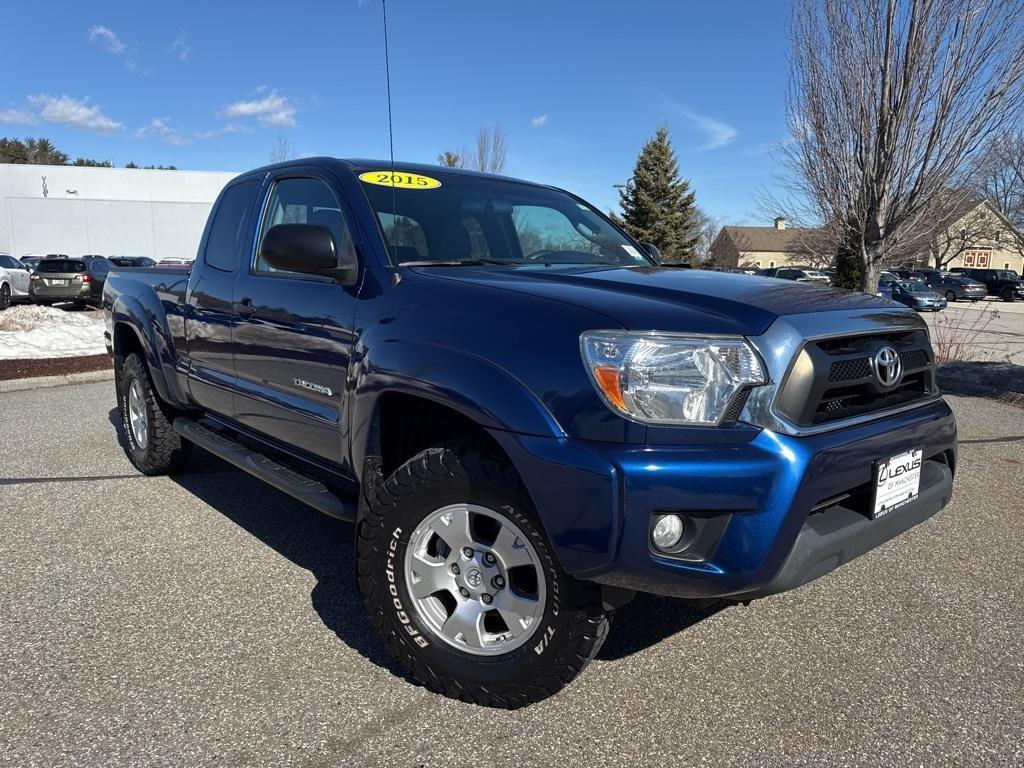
point(37, 333)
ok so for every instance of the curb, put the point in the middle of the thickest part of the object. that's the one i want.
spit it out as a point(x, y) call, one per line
point(45, 382)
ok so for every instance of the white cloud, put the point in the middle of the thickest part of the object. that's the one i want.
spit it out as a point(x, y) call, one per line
point(228, 128)
point(718, 133)
point(539, 121)
point(273, 109)
point(77, 113)
point(107, 39)
point(160, 127)
point(17, 117)
point(181, 48)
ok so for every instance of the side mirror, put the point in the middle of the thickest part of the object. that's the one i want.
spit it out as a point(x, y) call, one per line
point(652, 251)
point(306, 248)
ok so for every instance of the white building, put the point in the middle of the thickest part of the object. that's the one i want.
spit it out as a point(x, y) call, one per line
point(108, 211)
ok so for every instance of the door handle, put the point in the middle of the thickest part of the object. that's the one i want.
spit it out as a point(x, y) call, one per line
point(244, 308)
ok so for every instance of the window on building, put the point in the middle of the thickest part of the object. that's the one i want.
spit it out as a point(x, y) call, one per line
point(771, 264)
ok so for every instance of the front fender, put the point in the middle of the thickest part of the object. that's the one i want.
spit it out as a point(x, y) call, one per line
point(480, 390)
point(144, 316)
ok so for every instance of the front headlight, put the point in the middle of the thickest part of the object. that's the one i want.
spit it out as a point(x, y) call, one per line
point(669, 378)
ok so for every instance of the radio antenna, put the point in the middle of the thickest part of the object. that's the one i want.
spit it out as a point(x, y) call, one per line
point(391, 135)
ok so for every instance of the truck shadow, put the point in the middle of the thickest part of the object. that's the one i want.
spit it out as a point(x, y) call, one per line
point(326, 548)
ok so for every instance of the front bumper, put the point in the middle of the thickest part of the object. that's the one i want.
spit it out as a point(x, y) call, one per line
point(756, 487)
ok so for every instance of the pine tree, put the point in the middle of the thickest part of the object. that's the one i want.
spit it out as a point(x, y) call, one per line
point(658, 206)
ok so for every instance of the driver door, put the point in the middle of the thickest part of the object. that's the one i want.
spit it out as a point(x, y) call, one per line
point(295, 332)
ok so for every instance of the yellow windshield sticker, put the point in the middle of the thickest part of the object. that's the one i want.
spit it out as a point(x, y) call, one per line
point(399, 180)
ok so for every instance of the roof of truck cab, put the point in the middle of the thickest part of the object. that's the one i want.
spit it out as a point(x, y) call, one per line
point(361, 165)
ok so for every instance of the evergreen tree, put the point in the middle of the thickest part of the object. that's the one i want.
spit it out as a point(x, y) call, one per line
point(657, 205)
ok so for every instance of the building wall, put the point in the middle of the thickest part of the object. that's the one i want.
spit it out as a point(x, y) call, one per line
point(989, 258)
point(766, 259)
point(109, 211)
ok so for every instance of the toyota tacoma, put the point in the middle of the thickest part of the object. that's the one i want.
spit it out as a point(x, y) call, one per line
point(526, 418)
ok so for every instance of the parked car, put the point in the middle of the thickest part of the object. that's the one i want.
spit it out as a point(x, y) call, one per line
point(1004, 283)
point(13, 281)
point(69, 279)
point(957, 286)
point(888, 277)
point(132, 261)
point(799, 274)
point(174, 261)
point(917, 295)
point(31, 259)
point(674, 431)
point(908, 275)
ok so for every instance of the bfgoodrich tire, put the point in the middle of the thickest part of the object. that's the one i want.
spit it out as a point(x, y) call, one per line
point(490, 618)
point(151, 443)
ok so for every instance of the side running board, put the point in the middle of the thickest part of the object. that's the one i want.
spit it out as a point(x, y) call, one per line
point(295, 484)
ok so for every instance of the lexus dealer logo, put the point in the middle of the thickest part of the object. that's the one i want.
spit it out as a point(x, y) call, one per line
point(888, 367)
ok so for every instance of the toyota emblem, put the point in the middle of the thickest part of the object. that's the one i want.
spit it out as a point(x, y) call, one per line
point(888, 367)
point(474, 578)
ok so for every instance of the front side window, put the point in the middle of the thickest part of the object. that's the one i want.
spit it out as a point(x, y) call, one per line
point(462, 218)
point(307, 201)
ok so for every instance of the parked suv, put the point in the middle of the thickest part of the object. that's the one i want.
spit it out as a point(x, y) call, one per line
point(525, 416)
point(69, 279)
point(1004, 283)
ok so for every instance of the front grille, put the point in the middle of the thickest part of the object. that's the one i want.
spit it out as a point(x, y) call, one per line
point(834, 379)
point(845, 370)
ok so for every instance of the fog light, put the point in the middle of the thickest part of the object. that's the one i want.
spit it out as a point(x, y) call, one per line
point(667, 531)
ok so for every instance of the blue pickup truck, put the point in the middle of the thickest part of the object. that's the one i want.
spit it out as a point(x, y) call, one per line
point(525, 416)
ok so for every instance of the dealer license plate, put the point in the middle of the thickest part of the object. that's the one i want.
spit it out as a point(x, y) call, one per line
point(58, 281)
point(897, 481)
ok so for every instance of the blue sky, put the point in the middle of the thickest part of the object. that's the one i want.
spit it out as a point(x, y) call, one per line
point(578, 86)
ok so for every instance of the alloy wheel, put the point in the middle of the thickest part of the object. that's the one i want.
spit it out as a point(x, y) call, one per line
point(475, 579)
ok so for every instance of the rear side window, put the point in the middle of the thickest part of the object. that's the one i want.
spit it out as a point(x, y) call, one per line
point(61, 265)
point(227, 231)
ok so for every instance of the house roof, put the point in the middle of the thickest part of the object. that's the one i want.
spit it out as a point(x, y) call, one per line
point(789, 240)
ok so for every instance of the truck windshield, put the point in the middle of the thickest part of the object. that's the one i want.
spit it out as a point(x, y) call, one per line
point(449, 218)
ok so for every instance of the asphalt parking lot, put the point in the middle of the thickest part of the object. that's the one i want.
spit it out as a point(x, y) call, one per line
point(209, 620)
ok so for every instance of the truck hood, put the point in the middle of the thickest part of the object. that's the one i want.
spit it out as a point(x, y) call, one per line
point(668, 299)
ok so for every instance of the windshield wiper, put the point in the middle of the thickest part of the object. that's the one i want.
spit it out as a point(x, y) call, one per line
point(461, 263)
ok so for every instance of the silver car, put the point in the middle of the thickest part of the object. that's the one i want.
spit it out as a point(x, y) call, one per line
point(14, 280)
point(954, 287)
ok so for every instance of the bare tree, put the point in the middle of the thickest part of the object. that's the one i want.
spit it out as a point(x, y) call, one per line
point(1001, 182)
point(488, 154)
point(282, 150)
point(961, 223)
point(889, 103)
point(708, 228)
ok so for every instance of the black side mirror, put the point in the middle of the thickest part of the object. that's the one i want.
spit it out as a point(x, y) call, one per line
point(652, 251)
point(306, 248)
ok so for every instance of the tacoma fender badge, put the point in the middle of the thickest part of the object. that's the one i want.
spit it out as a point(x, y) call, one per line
point(313, 387)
